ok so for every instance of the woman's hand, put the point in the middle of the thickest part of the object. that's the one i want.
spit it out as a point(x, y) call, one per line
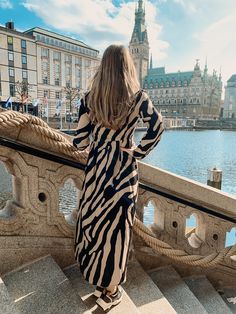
point(129, 150)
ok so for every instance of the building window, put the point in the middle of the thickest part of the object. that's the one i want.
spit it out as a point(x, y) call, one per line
point(10, 42)
point(68, 70)
point(87, 63)
point(45, 93)
point(56, 55)
point(11, 72)
point(45, 66)
point(68, 84)
point(44, 52)
point(45, 80)
point(57, 68)
point(24, 59)
point(10, 56)
point(24, 75)
point(57, 95)
point(57, 81)
point(78, 60)
point(68, 58)
point(12, 90)
point(23, 43)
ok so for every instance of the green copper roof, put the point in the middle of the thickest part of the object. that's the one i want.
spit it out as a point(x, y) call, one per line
point(232, 79)
point(139, 32)
point(159, 76)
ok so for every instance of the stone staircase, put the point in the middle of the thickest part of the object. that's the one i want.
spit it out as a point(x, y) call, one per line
point(42, 287)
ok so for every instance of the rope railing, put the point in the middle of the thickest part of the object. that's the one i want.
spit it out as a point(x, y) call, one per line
point(12, 120)
point(182, 256)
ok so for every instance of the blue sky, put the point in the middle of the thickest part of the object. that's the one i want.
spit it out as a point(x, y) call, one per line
point(179, 31)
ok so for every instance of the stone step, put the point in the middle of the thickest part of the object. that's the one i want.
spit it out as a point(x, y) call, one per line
point(144, 293)
point(41, 287)
point(6, 303)
point(207, 295)
point(85, 291)
point(176, 291)
point(229, 296)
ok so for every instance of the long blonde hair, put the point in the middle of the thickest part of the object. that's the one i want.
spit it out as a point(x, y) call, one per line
point(113, 88)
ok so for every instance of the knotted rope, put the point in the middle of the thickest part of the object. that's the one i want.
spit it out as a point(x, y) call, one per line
point(13, 119)
point(179, 255)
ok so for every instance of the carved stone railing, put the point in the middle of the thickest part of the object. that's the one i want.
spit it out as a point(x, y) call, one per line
point(31, 224)
point(175, 199)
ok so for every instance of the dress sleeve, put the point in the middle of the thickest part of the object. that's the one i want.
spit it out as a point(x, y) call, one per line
point(153, 119)
point(81, 139)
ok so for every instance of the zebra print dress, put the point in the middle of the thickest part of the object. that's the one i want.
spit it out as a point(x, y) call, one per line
point(109, 191)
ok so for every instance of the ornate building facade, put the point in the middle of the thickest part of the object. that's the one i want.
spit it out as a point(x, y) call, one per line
point(230, 98)
point(193, 94)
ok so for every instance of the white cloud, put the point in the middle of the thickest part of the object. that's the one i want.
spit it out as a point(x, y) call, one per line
point(99, 22)
point(6, 4)
point(213, 35)
point(190, 6)
point(217, 42)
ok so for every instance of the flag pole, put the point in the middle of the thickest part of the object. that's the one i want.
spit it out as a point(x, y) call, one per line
point(61, 120)
point(47, 114)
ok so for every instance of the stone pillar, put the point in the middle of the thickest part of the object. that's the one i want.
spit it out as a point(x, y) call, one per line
point(214, 178)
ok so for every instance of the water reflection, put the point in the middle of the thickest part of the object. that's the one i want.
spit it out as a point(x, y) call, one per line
point(191, 153)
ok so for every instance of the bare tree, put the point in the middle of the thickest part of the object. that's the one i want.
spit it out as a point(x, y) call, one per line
point(22, 90)
point(72, 94)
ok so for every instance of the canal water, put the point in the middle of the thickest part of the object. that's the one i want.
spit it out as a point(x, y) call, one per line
point(190, 154)
point(186, 153)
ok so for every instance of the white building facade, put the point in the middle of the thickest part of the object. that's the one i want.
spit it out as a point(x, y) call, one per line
point(48, 61)
point(230, 98)
point(18, 62)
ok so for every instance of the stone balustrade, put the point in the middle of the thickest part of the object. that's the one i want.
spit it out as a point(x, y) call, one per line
point(170, 216)
point(31, 224)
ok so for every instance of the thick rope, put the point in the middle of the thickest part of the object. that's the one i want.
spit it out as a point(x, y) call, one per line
point(161, 247)
point(12, 119)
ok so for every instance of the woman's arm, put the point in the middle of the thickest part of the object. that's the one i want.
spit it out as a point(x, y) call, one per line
point(81, 140)
point(153, 119)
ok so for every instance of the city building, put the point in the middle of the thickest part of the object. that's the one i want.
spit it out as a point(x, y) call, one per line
point(48, 61)
point(18, 62)
point(193, 94)
point(62, 62)
point(230, 98)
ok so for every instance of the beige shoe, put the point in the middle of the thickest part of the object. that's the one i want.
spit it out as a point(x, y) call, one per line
point(106, 301)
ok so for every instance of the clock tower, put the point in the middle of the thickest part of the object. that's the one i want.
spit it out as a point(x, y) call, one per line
point(139, 46)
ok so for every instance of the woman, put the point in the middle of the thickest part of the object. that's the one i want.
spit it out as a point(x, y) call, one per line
point(109, 113)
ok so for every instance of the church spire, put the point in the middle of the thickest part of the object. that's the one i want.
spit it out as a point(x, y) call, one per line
point(206, 68)
point(139, 32)
point(138, 45)
point(140, 5)
point(151, 62)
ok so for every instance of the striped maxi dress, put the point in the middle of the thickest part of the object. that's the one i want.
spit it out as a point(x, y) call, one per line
point(109, 192)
